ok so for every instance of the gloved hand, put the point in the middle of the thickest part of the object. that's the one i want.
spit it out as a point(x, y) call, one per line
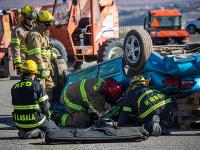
point(45, 73)
point(53, 56)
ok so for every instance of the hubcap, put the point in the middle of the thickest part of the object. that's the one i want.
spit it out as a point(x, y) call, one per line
point(115, 52)
point(132, 49)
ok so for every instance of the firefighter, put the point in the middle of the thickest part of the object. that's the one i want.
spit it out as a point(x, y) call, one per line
point(30, 102)
point(18, 46)
point(39, 49)
point(85, 100)
point(150, 107)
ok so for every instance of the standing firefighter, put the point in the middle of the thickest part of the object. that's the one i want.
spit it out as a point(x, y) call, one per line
point(150, 107)
point(39, 49)
point(30, 102)
point(18, 46)
point(85, 100)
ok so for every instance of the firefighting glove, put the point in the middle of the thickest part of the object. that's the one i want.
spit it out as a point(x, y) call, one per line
point(53, 55)
point(45, 73)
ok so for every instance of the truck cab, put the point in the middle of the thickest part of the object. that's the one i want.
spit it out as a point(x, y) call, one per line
point(165, 27)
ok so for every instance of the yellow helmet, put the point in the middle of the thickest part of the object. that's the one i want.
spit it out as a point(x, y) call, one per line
point(46, 17)
point(138, 79)
point(30, 66)
point(29, 12)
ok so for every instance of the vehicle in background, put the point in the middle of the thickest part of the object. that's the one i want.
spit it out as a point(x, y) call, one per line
point(192, 26)
point(86, 30)
point(165, 27)
point(8, 19)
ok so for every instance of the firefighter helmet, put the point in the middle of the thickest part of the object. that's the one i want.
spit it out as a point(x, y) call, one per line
point(112, 89)
point(30, 66)
point(138, 79)
point(29, 12)
point(46, 17)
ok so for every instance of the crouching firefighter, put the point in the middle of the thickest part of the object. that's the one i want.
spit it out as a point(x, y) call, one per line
point(85, 100)
point(31, 108)
point(150, 107)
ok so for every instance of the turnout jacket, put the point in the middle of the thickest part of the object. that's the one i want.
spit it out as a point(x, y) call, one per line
point(30, 104)
point(142, 102)
point(39, 49)
point(18, 45)
point(84, 95)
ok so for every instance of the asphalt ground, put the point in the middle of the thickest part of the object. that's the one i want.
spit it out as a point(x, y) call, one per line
point(178, 140)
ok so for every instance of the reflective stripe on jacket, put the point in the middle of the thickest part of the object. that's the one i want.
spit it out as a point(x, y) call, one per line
point(18, 45)
point(39, 49)
point(30, 104)
point(85, 94)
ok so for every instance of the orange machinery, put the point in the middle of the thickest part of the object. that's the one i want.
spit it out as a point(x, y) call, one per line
point(164, 27)
point(8, 19)
point(88, 29)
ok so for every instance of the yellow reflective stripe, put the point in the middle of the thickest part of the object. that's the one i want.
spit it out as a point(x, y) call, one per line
point(143, 95)
point(127, 109)
point(98, 84)
point(15, 40)
point(17, 59)
point(30, 125)
point(41, 66)
point(34, 51)
point(44, 98)
point(85, 98)
point(45, 52)
point(72, 105)
point(147, 112)
point(64, 119)
point(25, 107)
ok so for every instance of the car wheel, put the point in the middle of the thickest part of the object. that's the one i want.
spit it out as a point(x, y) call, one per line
point(192, 29)
point(137, 49)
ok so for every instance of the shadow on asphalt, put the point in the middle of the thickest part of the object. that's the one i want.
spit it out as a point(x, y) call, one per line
point(9, 138)
point(6, 123)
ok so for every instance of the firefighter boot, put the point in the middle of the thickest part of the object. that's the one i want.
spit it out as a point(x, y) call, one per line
point(35, 133)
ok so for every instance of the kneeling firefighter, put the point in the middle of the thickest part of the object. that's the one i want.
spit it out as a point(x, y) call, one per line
point(31, 108)
point(85, 100)
point(150, 107)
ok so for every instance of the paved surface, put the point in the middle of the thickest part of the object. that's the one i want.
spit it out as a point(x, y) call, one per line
point(180, 140)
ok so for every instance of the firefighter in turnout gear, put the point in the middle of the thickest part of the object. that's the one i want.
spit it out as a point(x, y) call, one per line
point(31, 108)
point(150, 107)
point(85, 100)
point(18, 36)
point(39, 49)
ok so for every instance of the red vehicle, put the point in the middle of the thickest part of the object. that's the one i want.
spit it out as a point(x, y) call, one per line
point(164, 27)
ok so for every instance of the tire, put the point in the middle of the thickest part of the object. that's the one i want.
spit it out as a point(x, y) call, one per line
point(137, 53)
point(110, 49)
point(60, 47)
point(192, 29)
point(58, 65)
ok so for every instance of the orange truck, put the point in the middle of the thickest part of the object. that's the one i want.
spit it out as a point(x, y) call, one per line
point(164, 27)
